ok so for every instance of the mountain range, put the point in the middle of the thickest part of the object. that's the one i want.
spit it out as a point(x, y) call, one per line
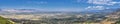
point(40, 11)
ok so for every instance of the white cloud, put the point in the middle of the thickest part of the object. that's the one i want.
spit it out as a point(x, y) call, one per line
point(96, 8)
point(16, 10)
point(42, 2)
point(102, 2)
point(37, 2)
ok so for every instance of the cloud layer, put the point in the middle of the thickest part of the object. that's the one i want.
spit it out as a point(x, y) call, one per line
point(102, 2)
point(96, 8)
point(17, 10)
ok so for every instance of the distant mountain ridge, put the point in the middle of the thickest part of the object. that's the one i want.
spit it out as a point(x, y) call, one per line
point(39, 11)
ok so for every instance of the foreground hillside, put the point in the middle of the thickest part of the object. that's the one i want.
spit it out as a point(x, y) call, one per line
point(4, 21)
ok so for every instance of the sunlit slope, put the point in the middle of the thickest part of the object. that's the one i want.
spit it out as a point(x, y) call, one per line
point(4, 21)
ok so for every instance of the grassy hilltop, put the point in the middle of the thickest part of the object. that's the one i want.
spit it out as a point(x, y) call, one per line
point(4, 21)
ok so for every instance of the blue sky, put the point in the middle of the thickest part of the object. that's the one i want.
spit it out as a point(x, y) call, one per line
point(60, 5)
